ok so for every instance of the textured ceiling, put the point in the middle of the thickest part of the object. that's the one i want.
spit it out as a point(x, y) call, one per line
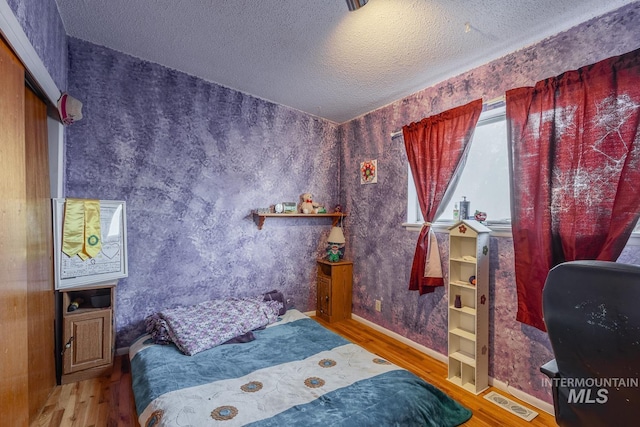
point(316, 56)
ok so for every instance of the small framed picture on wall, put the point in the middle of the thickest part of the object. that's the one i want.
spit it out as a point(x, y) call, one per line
point(369, 172)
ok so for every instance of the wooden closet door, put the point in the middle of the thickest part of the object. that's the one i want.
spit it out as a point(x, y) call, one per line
point(40, 296)
point(14, 408)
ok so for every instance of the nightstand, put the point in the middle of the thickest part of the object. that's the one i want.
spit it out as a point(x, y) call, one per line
point(334, 287)
point(88, 338)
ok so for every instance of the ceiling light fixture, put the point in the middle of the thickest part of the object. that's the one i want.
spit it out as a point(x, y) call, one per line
point(356, 4)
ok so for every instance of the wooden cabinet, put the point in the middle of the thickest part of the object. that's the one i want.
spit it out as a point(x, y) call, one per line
point(334, 286)
point(468, 329)
point(88, 332)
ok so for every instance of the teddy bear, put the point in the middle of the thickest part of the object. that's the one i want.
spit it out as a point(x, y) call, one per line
point(307, 205)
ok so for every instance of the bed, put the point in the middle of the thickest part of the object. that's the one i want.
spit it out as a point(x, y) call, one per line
point(295, 372)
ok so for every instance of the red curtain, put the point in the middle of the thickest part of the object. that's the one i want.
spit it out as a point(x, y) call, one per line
point(436, 148)
point(575, 163)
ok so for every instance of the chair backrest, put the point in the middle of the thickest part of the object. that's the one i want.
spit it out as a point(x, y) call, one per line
point(592, 313)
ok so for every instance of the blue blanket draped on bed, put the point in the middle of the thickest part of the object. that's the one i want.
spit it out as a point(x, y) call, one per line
point(296, 372)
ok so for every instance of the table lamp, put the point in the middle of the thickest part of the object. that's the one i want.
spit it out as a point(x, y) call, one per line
point(335, 244)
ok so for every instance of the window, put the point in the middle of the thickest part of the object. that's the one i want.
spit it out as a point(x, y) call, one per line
point(485, 178)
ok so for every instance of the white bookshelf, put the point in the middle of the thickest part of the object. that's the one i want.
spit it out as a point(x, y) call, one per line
point(468, 327)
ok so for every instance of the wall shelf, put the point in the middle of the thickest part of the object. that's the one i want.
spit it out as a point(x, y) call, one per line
point(259, 218)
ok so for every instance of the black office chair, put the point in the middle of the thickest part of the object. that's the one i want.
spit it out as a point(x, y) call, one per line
point(592, 313)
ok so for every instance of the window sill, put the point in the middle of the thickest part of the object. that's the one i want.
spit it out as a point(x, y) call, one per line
point(497, 230)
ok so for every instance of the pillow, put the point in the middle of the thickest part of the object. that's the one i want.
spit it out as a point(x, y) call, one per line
point(208, 324)
point(276, 296)
point(157, 328)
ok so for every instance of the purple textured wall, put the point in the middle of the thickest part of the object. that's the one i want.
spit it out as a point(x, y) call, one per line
point(382, 250)
point(192, 159)
point(43, 26)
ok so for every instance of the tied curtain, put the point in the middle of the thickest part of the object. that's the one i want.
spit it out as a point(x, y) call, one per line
point(437, 148)
point(575, 164)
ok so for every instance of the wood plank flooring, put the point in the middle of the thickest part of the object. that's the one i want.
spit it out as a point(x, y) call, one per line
point(99, 402)
point(108, 401)
point(434, 372)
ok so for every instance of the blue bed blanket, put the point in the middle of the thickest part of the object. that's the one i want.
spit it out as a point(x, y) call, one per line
point(296, 372)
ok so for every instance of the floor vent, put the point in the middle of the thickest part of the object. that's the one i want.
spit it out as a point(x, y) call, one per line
point(511, 406)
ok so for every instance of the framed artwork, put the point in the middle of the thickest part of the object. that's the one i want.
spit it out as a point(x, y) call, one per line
point(369, 172)
point(110, 264)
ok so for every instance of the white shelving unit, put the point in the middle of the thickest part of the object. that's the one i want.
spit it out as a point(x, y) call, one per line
point(469, 322)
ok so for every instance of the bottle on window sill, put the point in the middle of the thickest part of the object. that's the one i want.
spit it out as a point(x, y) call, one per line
point(456, 213)
point(464, 208)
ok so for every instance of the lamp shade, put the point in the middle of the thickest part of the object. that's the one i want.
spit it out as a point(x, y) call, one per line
point(336, 235)
point(335, 244)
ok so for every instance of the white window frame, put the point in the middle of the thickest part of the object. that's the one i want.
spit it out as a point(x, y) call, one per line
point(414, 216)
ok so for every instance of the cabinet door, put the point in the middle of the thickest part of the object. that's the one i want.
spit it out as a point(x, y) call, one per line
point(341, 277)
point(324, 295)
point(89, 336)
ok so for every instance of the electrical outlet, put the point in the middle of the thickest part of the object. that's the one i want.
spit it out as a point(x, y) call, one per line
point(378, 305)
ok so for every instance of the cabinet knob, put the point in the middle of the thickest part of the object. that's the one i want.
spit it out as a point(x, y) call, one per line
point(67, 346)
point(326, 298)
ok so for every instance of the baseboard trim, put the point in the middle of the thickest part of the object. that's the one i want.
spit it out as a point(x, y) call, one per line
point(122, 351)
point(527, 398)
point(426, 350)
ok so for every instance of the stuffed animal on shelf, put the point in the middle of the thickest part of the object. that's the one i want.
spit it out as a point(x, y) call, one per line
point(307, 205)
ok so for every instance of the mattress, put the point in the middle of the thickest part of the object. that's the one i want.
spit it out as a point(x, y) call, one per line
point(296, 372)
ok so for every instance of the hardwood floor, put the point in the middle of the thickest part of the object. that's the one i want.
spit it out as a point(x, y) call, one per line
point(435, 372)
point(108, 401)
point(99, 402)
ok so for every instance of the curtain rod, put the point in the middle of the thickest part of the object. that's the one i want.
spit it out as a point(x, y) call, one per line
point(489, 103)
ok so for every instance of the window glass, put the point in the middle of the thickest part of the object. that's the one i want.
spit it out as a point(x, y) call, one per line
point(485, 178)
